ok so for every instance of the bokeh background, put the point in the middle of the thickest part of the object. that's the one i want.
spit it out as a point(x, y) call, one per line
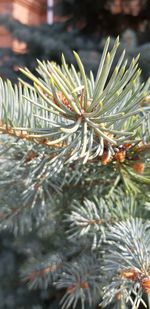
point(44, 29)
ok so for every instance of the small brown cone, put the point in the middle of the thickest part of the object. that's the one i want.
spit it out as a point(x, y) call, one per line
point(120, 156)
point(138, 167)
point(129, 274)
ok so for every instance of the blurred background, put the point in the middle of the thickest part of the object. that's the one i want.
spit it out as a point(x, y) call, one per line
point(44, 29)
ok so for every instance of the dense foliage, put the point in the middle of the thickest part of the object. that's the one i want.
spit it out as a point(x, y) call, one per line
point(75, 171)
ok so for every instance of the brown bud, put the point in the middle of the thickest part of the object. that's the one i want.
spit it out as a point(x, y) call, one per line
point(120, 156)
point(138, 167)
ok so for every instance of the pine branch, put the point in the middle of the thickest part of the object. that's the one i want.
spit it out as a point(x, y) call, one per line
point(28, 176)
point(93, 219)
point(84, 137)
point(81, 279)
point(127, 262)
point(42, 274)
point(65, 105)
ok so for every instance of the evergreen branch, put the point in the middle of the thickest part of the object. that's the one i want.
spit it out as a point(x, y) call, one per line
point(42, 274)
point(53, 109)
point(93, 218)
point(127, 261)
point(85, 133)
point(81, 279)
point(90, 219)
point(36, 193)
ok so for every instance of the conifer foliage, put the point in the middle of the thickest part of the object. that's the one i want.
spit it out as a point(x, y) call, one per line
point(78, 149)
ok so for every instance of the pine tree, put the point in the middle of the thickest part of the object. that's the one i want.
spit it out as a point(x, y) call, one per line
point(75, 168)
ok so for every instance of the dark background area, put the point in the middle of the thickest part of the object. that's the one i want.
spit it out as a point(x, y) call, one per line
point(82, 26)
